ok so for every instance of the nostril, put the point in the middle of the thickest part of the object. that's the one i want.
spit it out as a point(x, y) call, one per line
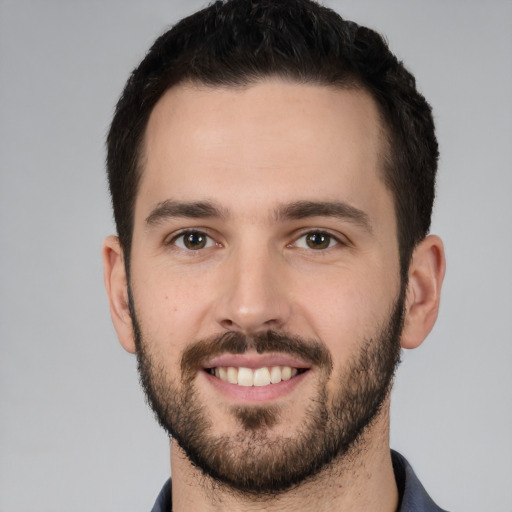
point(248, 329)
point(228, 324)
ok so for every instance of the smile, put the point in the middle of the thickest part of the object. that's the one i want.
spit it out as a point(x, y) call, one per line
point(249, 377)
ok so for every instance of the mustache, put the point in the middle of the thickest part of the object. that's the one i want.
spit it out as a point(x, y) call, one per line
point(310, 351)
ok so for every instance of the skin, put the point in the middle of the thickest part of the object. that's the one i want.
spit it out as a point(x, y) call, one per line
point(251, 152)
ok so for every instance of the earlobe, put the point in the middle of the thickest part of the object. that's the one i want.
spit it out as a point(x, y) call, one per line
point(426, 273)
point(117, 290)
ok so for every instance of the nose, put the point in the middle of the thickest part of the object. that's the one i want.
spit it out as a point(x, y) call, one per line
point(253, 296)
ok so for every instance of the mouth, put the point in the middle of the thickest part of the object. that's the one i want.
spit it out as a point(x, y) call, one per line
point(255, 377)
point(252, 376)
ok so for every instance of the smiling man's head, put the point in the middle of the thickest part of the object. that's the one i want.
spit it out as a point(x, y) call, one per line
point(272, 170)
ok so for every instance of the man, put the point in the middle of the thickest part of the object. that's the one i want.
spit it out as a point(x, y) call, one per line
point(272, 170)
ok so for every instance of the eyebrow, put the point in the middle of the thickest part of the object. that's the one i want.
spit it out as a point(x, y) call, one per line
point(297, 210)
point(169, 209)
point(304, 209)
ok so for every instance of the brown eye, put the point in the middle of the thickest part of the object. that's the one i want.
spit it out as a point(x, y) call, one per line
point(193, 241)
point(318, 240)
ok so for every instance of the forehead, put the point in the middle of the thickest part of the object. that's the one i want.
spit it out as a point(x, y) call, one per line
point(266, 141)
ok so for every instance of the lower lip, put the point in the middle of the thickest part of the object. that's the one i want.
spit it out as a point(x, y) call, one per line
point(255, 393)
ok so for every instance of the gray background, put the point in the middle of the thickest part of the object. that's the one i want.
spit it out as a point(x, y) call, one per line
point(75, 434)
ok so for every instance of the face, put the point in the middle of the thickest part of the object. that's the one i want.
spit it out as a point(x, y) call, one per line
point(265, 289)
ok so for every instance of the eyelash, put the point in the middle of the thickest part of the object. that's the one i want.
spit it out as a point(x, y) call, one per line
point(332, 241)
point(189, 232)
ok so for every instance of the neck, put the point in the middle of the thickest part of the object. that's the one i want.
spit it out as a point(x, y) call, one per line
point(361, 480)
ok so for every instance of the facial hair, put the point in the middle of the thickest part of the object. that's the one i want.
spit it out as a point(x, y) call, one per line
point(251, 460)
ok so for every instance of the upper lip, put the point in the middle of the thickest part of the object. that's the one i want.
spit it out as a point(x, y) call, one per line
point(255, 360)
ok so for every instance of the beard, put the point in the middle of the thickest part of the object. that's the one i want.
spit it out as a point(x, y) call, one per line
point(251, 460)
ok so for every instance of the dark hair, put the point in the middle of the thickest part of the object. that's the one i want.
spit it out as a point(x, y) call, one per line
point(238, 42)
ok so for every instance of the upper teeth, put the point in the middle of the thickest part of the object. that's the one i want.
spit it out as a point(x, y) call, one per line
point(255, 376)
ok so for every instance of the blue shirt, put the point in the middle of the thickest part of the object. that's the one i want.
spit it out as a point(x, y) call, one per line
point(413, 497)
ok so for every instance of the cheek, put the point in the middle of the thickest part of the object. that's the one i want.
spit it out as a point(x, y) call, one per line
point(344, 309)
point(170, 308)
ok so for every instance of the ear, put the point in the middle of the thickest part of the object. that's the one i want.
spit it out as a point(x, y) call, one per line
point(117, 290)
point(426, 273)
